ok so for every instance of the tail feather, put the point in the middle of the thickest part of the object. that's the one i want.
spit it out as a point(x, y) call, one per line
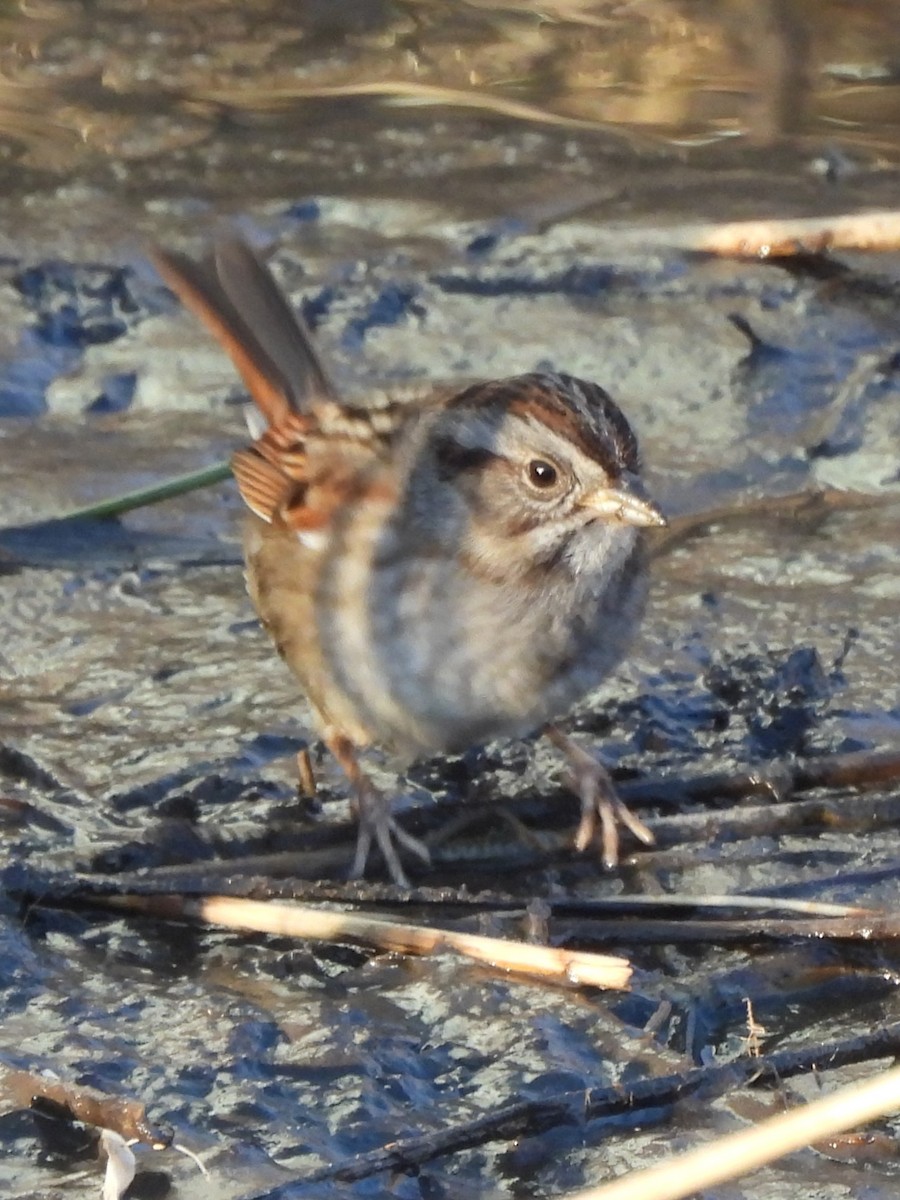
point(239, 302)
point(282, 332)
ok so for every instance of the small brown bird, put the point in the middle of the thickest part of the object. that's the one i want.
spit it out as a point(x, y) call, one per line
point(437, 575)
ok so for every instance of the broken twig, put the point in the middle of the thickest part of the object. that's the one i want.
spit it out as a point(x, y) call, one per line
point(878, 230)
point(123, 1116)
point(297, 920)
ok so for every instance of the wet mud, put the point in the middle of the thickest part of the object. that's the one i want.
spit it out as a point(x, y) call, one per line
point(147, 727)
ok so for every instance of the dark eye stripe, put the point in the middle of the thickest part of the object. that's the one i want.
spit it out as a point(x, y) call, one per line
point(453, 458)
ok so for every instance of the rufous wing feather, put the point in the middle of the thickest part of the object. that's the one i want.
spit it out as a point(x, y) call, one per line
point(236, 297)
point(263, 487)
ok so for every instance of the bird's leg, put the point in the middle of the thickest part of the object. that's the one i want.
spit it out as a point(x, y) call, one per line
point(373, 811)
point(306, 775)
point(593, 785)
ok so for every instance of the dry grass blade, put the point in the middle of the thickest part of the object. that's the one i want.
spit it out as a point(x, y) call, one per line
point(737, 1154)
point(405, 92)
point(303, 921)
point(202, 881)
point(560, 905)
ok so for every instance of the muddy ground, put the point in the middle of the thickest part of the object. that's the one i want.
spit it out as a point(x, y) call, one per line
point(146, 721)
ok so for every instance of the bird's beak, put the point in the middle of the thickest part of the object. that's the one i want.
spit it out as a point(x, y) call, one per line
point(627, 503)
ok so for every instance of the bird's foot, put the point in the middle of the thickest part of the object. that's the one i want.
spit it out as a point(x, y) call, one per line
point(593, 785)
point(378, 825)
point(373, 810)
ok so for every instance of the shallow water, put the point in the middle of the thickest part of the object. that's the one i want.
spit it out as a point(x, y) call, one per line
point(456, 211)
point(121, 120)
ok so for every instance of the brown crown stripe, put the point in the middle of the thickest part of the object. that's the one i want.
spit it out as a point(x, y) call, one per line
point(567, 424)
point(578, 408)
point(573, 408)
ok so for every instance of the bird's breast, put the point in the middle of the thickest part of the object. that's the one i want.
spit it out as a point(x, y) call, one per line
point(397, 642)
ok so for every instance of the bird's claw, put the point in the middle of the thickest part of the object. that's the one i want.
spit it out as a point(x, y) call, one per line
point(378, 825)
point(593, 785)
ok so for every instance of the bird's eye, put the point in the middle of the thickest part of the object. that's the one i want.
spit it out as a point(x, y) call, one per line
point(542, 474)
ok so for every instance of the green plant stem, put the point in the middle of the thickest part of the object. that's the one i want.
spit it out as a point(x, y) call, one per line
point(180, 485)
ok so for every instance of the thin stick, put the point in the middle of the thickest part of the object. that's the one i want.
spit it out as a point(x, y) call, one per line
point(645, 1098)
point(719, 789)
point(304, 921)
point(578, 967)
point(763, 239)
point(306, 775)
point(807, 505)
point(778, 778)
point(760, 820)
point(738, 1153)
point(209, 878)
point(879, 230)
point(650, 931)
